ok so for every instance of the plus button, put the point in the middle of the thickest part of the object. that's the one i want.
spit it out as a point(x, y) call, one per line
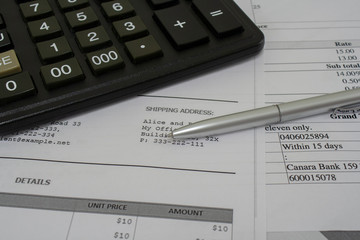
point(179, 24)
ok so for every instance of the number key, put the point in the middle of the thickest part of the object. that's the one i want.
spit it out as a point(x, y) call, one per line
point(54, 49)
point(104, 60)
point(44, 28)
point(118, 9)
point(35, 9)
point(72, 4)
point(61, 73)
point(130, 28)
point(16, 87)
point(82, 18)
point(92, 38)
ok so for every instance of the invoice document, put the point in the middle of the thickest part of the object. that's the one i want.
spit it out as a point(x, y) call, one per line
point(312, 164)
point(113, 173)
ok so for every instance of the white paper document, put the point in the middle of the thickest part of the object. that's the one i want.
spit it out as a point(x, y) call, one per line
point(312, 164)
point(113, 173)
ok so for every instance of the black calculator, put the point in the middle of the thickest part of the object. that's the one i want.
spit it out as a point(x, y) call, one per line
point(61, 56)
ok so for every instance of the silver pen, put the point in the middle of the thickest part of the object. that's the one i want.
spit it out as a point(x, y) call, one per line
point(269, 115)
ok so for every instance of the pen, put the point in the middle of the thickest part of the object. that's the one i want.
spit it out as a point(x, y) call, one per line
point(269, 115)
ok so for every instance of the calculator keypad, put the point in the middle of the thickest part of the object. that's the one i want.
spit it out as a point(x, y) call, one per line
point(14, 84)
point(77, 46)
point(60, 67)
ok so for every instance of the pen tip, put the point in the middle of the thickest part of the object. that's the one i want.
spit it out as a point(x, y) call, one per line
point(170, 135)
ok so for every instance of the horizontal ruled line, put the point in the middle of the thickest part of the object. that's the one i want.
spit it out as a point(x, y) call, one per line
point(119, 165)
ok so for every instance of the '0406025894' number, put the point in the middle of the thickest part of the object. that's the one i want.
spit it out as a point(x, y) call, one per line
point(303, 136)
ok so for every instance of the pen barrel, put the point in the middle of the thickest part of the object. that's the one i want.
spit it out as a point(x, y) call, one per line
point(230, 123)
point(269, 115)
point(317, 105)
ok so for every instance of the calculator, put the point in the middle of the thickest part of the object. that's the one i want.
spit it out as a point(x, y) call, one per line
point(63, 56)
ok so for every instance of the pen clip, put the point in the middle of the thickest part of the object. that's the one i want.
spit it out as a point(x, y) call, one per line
point(354, 108)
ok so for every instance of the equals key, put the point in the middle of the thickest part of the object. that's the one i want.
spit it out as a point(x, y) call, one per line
point(218, 17)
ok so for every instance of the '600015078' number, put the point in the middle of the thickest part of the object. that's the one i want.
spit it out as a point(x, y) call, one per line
point(312, 178)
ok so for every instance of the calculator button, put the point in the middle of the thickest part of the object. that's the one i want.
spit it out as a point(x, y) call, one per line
point(72, 4)
point(5, 41)
point(16, 87)
point(35, 9)
point(82, 18)
point(44, 28)
point(130, 28)
point(92, 38)
point(104, 60)
point(162, 3)
point(181, 27)
point(9, 63)
point(61, 73)
point(118, 9)
point(143, 49)
point(54, 50)
point(2, 22)
point(218, 17)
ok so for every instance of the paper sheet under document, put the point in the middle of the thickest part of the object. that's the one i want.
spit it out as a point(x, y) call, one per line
point(113, 173)
point(312, 164)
